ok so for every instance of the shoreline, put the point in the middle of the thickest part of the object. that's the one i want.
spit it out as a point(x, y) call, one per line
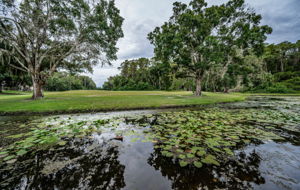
point(92, 111)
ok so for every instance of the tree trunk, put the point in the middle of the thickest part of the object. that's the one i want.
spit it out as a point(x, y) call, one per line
point(281, 66)
point(198, 87)
point(37, 88)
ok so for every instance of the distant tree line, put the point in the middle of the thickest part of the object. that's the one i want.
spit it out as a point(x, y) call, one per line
point(283, 62)
point(141, 74)
point(276, 70)
point(63, 81)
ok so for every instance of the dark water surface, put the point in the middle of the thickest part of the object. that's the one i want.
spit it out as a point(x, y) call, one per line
point(101, 161)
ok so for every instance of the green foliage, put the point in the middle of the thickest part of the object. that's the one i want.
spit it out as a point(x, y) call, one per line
point(140, 74)
point(11, 77)
point(283, 61)
point(279, 88)
point(45, 36)
point(293, 83)
point(215, 34)
point(283, 57)
point(282, 76)
point(64, 81)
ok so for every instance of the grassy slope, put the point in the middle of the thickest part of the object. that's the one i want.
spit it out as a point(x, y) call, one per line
point(108, 100)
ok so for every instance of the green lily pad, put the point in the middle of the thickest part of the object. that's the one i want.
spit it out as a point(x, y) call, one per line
point(210, 159)
point(190, 155)
point(228, 151)
point(183, 163)
point(62, 143)
point(21, 152)
point(198, 164)
point(9, 158)
point(182, 156)
point(201, 153)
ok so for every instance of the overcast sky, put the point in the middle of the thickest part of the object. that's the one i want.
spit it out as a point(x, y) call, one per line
point(142, 16)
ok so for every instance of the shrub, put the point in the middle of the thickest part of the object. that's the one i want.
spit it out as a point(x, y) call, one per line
point(293, 83)
point(63, 81)
point(282, 76)
point(279, 88)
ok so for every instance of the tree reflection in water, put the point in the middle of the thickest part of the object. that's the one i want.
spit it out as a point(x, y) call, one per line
point(99, 169)
point(234, 174)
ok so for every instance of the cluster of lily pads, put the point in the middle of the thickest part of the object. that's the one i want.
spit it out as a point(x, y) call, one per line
point(43, 136)
point(206, 136)
point(209, 136)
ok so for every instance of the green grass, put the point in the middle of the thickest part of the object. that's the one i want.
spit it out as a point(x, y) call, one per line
point(84, 100)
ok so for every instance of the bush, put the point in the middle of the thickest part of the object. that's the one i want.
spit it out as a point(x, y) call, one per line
point(63, 81)
point(293, 83)
point(279, 88)
point(282, 76)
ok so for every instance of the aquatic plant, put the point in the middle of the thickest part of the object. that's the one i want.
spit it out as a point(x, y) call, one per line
point(44, 135)
point(210, 136)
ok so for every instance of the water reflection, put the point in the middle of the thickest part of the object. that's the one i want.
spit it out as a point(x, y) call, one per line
point(234, 174)
point(68, 168)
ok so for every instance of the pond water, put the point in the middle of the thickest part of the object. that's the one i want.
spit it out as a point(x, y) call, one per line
point(121, 152)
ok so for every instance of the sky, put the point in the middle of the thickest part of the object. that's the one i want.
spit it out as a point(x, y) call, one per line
point(142, 16)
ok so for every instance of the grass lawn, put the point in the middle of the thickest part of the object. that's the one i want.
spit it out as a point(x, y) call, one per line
point(98, 100)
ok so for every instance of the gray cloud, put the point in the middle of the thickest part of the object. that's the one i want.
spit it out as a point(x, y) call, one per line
point(142, 16)
point(282, 16)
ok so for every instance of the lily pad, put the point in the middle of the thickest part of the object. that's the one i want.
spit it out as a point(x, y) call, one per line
point(210, 159)
point(9, 157)
point(183, 163)
point(62, 143)
point(198, 164)
point(21, 152)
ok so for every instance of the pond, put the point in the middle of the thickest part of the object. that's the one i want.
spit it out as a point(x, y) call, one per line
point(244, 145)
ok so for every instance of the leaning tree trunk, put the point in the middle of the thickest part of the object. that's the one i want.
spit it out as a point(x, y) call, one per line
point(198, 91)
point(37, 88)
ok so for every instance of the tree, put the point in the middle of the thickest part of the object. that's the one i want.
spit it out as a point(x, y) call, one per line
point(282, 57)
point(62, 81)
point(10, 76)
point(135, 75)
point(47, 35)
point(197, 37)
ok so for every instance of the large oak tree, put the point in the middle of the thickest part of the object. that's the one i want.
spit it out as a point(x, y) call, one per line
point(43, 36)
point(196, 37)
